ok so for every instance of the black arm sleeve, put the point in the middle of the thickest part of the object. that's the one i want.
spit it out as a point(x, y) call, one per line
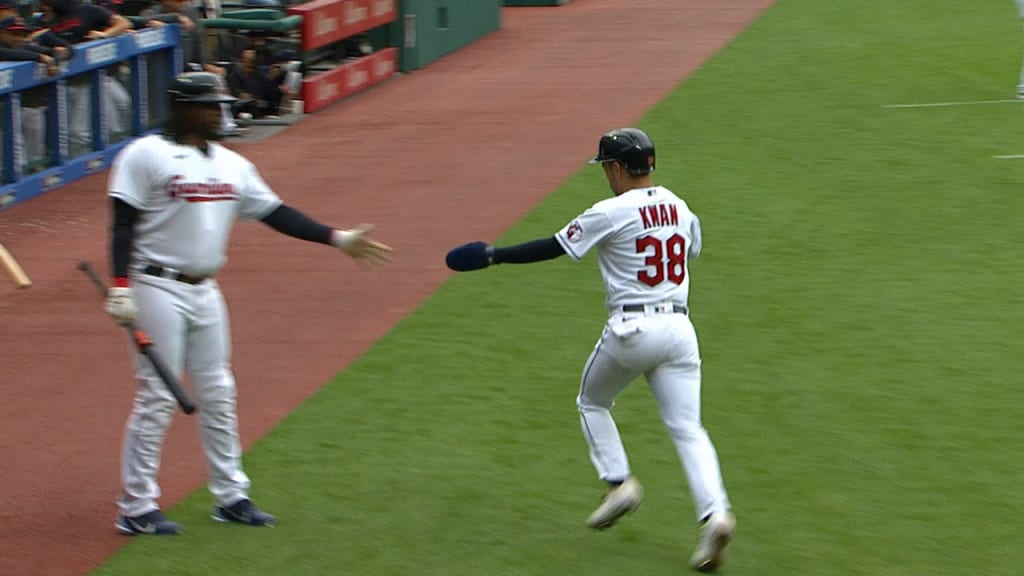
point(534, 251)
point(122, 232)
point(49, 39)
point(18, 55)
point(288, 220)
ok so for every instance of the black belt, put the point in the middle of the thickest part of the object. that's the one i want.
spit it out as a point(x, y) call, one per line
point(676, 308)
point(162, 272)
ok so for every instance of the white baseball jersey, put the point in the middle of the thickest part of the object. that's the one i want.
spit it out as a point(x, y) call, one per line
point(645, 238)
point(187, 201)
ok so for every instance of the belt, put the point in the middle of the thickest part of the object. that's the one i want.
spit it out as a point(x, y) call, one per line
point(162, 272)
point(655, 308)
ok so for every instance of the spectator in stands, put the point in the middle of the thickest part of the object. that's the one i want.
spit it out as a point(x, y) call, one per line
point(76, 22)
point(15, 46)
point(258, 88)
point(193, 46)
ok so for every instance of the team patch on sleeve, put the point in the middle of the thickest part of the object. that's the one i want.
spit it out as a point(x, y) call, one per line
point(574, 232)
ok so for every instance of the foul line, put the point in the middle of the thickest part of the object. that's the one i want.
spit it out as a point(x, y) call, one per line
point(1010, 157)
point(939, 104)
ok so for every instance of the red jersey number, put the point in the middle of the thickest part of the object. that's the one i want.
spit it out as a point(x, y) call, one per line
point(663, 259)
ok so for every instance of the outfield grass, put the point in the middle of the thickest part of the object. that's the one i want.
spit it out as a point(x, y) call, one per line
point(858, 302)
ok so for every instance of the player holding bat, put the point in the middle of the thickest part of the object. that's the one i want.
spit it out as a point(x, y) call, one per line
point(174, 198)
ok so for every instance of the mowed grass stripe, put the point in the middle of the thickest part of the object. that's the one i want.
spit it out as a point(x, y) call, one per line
point(858, 304)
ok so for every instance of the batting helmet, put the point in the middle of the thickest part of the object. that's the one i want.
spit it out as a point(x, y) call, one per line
point(632, 147)
point(198, 87)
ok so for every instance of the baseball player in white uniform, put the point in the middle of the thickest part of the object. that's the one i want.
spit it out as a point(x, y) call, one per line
point(645, 237)
point(175, 197)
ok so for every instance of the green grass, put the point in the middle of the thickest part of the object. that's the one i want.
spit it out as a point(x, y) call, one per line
point(858, 302)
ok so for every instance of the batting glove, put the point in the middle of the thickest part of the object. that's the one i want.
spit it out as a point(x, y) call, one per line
point(121, 304)
point(471, 256)
point(356, 244)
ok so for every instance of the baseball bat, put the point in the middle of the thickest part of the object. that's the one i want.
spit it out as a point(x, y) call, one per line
point(145, 347)
point(21, 280)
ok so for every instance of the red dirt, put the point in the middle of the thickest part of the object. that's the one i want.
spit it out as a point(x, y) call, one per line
point(457, 151)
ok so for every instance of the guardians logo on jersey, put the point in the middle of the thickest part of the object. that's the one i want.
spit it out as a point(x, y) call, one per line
point(575, 231)
point(209, 191)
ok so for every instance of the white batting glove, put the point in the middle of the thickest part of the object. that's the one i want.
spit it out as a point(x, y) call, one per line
point(121, 305)
point(356, 244)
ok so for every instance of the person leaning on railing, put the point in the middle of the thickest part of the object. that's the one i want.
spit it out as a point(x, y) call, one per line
point(76, 22)
point(141, 22)
point(16, 46)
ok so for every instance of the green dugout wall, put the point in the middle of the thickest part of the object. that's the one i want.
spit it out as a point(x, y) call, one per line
point(428, 29)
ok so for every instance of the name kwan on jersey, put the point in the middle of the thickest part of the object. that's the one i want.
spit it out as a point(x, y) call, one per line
point(652, 216)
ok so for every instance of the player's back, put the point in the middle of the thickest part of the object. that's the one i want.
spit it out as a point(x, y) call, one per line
point(645, 258)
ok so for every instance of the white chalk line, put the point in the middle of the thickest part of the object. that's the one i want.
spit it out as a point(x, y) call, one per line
point(966, 103)
point(942, 104)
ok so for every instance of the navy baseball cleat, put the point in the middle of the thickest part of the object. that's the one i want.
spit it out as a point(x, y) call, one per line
point(243, 512)
point(149, 523)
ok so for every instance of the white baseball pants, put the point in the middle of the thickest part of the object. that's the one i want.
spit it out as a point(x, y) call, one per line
point(33, 127)
point(663, 348)
point(190, 330)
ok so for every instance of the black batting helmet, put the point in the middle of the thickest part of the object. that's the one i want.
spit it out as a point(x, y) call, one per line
point(198, 87)
point(632, 147)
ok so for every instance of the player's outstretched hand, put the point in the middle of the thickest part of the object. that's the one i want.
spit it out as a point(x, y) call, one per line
point(471, 256)
point(356, 244)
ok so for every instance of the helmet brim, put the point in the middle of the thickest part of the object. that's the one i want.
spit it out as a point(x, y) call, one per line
point(206, 99)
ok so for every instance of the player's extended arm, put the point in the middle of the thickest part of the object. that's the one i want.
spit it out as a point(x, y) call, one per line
point(478, 255)
point(354, 242)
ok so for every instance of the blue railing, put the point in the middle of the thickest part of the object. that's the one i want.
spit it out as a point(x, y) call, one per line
point(57, 129)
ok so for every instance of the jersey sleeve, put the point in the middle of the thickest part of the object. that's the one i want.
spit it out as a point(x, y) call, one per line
point(695, 239)
point(258, 199)
point(129, 177)
point(586, 231)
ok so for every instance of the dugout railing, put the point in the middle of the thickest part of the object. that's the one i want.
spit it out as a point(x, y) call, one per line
point(57, 129)
point(54, 130)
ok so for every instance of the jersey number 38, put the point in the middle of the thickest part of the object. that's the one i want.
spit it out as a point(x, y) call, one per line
point(664, 260)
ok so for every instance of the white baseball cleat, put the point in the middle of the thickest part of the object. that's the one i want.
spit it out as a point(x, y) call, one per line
point(619, 501)
point(715, 535)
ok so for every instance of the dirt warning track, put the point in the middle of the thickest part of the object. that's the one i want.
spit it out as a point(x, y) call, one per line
point(468, 144)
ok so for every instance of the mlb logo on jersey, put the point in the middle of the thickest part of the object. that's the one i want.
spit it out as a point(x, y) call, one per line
point(575, 231)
